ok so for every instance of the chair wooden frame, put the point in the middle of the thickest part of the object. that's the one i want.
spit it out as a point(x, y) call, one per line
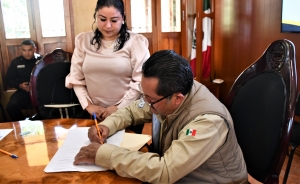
point(278, 60)
point(57, 55)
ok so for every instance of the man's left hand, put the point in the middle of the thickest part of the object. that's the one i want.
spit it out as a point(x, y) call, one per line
point(87, 154)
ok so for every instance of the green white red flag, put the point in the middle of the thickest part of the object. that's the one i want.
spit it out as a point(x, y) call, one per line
point(191, 132)
point(193, 52)
point(206, 43)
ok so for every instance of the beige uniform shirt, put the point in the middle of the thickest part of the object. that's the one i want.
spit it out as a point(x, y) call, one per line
point(210, 130)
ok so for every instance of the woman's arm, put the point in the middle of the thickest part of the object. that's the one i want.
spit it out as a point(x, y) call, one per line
point(76, 79)
point(139, 54)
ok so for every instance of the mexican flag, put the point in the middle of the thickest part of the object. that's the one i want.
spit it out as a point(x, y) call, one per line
point(206, 43)
point(191, 132)
point(193, 52)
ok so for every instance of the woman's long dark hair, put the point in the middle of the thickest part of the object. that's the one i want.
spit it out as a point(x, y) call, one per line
point(124, 35)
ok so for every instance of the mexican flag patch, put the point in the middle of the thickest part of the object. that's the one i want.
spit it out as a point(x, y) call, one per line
point(191, 132)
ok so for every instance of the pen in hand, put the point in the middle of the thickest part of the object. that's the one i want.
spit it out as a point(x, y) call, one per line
point(96, 124)
point(10, 154)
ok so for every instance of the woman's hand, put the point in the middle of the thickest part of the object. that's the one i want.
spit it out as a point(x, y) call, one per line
point(108, 111)
point(98, 110)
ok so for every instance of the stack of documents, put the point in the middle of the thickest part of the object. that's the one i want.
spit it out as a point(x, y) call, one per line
point(63, 159)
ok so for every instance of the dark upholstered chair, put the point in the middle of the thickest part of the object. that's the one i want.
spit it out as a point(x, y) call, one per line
point(262, 103)
point(49, 96)
point(295, 139)
point(2, 111)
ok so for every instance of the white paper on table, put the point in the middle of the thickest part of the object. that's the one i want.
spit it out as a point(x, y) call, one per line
point(63, 159)
point(4, 132)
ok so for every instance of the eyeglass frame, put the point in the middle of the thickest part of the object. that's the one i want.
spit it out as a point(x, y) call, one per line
point(143, 96)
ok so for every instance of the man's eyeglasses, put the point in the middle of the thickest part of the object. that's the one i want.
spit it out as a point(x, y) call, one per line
point(152, 103)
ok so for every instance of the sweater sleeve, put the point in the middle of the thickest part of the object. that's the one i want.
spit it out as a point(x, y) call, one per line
point(139, 54)
point(75, 79)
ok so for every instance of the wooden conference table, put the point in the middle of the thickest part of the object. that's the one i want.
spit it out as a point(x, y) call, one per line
point(35, 144)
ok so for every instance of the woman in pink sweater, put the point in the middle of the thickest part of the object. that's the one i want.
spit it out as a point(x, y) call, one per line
point(106, 63)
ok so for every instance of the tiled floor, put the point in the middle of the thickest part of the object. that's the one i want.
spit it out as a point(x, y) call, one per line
point(294, 176)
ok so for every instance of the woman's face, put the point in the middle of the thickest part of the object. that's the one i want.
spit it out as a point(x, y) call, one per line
point(109, 22)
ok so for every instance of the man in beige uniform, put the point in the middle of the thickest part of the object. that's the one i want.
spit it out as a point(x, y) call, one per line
point(195, 142)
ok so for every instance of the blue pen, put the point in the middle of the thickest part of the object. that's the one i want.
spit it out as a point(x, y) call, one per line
point(10, 154)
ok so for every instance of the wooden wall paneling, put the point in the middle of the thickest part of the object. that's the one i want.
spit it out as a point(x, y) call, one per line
point(68, 26)
point(38, 28)
point(31, 21)
point(199, 37)
point(72, 25)
point(184, 30)
point(243, 30)
point(150, 40)
point(127, 13)
point(12, 52)
point(158, 28)
point(4, 56)
point(172, 40)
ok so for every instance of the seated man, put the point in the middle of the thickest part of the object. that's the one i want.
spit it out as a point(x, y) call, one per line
point(18, 76)
point(197, 142)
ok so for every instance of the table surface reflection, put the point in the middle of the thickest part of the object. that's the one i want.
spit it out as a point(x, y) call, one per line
point(35, 143)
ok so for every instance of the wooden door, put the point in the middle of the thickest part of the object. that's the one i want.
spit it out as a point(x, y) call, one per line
point(155, 30)
point(37, 31)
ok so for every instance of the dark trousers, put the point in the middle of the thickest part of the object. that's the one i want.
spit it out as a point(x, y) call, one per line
point(18, 101)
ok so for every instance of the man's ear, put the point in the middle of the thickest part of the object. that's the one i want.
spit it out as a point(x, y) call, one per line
point(179, 97)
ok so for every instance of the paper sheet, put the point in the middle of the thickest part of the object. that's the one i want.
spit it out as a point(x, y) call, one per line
point(63, 159)
point(4, 132)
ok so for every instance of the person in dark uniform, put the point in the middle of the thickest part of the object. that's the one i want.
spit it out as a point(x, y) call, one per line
point(18, 76)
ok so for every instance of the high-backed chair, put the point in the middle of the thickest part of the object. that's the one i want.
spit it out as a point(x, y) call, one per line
point(261, 103)
point(295, 139)
point(49, 96)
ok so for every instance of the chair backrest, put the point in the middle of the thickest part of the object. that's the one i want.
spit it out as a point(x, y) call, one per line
point(48, 82)
point(262, 103)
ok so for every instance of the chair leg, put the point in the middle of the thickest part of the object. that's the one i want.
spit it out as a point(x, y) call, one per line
point(287, 170)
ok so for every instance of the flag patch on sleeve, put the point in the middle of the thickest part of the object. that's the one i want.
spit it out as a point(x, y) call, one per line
point(191, 132)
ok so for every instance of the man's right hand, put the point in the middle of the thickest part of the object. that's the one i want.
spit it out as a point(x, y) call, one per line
point(24, 86)
point(93, 134)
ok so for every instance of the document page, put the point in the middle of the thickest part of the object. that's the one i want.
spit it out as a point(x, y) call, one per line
point(4, 132)
point(63, 159)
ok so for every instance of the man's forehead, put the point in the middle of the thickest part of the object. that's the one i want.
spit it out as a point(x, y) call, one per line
point(149, 86)
point(27, 47)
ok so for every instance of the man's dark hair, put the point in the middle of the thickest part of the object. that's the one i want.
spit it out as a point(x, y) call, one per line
point(172, 71)
point(124, 35)
point(28, 42)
